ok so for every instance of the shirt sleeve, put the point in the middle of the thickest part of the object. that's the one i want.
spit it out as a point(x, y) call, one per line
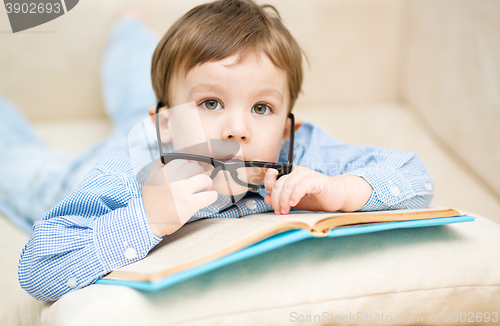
point(100, 227)
point(398, 178)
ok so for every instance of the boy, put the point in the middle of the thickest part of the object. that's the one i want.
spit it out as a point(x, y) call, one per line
point(238, 69)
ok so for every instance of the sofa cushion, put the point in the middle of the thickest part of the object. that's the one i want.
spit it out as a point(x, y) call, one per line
point(408, 275)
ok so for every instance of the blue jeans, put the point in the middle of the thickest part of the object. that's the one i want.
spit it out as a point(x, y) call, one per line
point(34, 177)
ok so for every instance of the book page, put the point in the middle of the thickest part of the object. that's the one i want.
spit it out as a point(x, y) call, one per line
point(305, 217)
point(356, 218)
point(323, 221)
point(199, 242)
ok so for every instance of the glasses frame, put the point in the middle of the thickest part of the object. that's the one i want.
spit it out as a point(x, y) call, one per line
point(223, 165)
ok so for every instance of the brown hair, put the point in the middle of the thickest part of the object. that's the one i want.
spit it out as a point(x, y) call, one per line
point(217, 30)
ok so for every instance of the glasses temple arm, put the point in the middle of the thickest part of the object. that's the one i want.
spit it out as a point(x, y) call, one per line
point(292, 139)
point(158, 136)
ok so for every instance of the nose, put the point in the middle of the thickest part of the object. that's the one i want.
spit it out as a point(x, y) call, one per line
point(236, 127)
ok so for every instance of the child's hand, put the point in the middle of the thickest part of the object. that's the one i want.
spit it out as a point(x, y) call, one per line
point(170, 194)
point(307, 189)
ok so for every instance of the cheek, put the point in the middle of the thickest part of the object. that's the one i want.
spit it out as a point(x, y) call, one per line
point(270, 147)
point(211, 125)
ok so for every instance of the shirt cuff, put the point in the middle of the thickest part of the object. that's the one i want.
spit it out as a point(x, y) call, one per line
point(391, 189)
point(124, 236)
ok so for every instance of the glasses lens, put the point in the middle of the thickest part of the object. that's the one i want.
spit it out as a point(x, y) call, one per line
point(180, 169)
point(251, 175)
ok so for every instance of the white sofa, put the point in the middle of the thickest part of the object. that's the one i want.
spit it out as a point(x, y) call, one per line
point(411, 75)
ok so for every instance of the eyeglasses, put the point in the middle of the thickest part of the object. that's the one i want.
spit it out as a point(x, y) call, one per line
point(244, 173)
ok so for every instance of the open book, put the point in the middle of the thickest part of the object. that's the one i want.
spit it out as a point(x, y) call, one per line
point(207, 244)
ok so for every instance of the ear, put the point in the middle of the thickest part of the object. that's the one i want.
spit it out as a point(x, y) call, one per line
point(286, 133)
point(163, 121)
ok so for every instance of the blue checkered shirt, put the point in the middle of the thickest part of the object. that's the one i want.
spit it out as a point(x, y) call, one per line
point(103, 225)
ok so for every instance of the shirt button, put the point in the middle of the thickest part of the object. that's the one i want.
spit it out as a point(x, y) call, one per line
point(251, 204)
point(428, 186)
point(71, 282)
point(395, 191)
point(130, 253)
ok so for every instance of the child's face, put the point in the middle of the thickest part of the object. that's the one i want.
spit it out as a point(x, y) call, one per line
point(246, 102)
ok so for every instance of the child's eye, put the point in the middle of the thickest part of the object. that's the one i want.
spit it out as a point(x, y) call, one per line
point(211, 104)
point(261, 108)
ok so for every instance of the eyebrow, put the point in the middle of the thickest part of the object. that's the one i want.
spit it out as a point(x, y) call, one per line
point(270, 92)
point(216, 88)
point(205, 88)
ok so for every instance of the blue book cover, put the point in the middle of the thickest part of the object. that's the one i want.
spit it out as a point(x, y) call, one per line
point(188, 252)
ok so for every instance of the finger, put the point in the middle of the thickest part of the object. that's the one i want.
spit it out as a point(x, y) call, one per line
point(176, 164)
point(270, 179)
point(198, 183)
point(192, 168)
point(275, 193)
point(204, 199)
point(157, 166)
point(187, 170)
point(267, 200)
point(306, 186)
point(300, 190)
point(171, 169)
point(190, 204)
point(288, 188)
point(207, 167)
point(184, 190)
